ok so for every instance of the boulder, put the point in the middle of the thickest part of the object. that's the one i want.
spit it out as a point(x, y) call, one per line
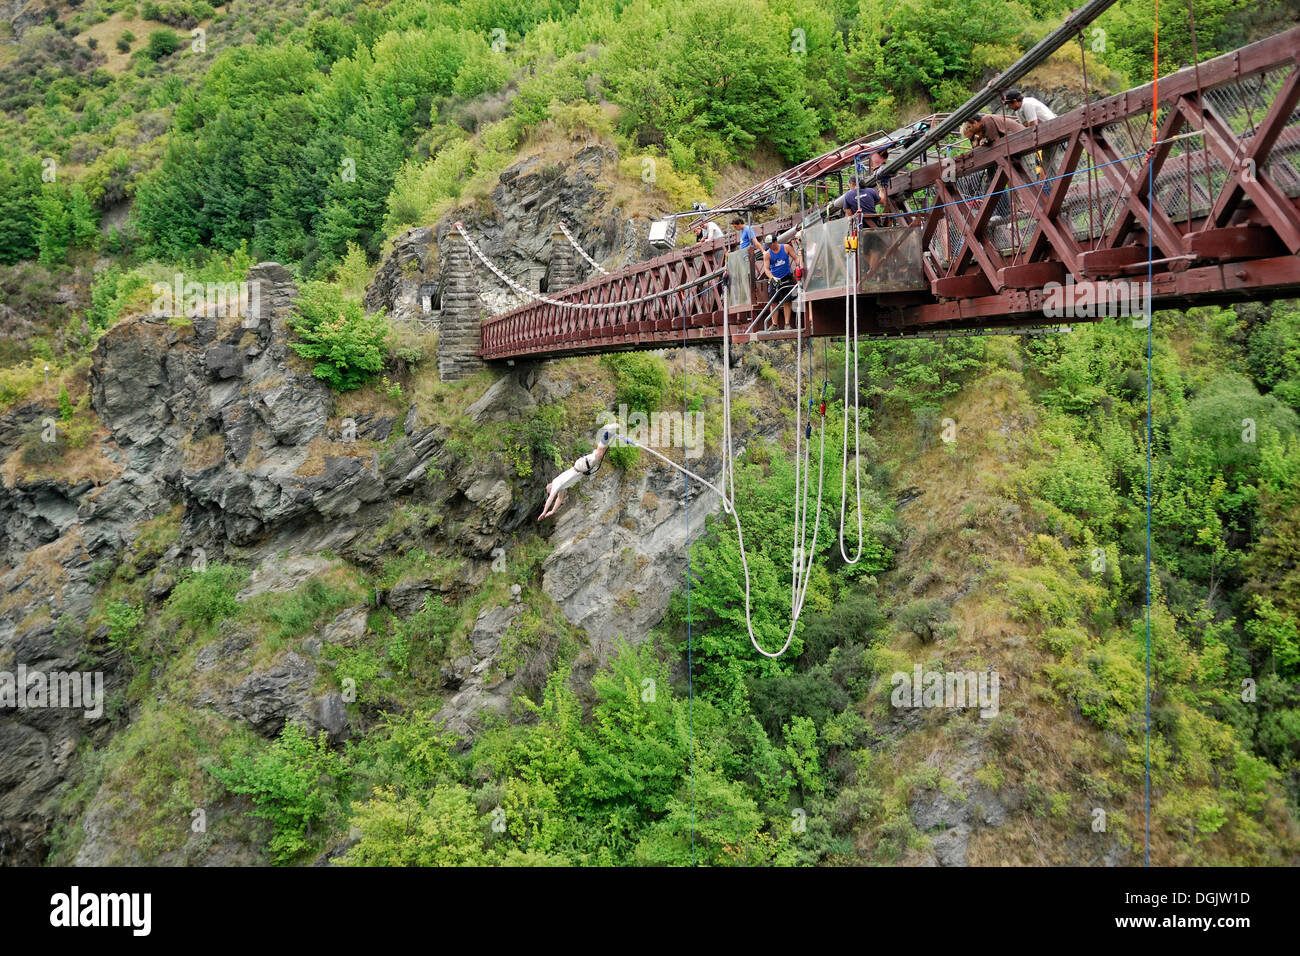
point(266, 699)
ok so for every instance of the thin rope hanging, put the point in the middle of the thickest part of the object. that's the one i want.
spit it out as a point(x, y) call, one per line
point(851, 273)
point(799, 584)
point(581, 251)
point(801, 589)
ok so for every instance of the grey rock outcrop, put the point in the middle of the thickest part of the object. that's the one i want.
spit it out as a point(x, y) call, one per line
point(480, 685)
point(532, 196)
point(954, 811)
point(411, 266)
point(217, 418)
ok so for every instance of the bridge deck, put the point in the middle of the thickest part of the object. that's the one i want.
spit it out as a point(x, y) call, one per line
point(1224, 225)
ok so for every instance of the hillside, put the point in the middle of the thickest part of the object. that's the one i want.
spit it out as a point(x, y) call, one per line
point(309, 572)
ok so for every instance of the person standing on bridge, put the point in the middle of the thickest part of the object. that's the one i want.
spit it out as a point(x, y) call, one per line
point(783, 266)
point(747, 236)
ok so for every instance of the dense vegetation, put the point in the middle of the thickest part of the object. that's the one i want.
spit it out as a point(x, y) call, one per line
point(311, 133)
point(313, 122)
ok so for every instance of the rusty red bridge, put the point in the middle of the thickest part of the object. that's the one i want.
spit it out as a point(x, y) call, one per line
point(984, 240)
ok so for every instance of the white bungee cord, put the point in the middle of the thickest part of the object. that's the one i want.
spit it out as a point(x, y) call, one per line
point(581, 251)
point(802, 562)
point(851, 272)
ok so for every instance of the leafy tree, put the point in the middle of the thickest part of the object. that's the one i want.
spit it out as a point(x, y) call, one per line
point(295, 785)
point(717, 825)
point(347, 344)
point(438, 828)
point(20, 197)
point(914, 46)
point(1273, 352)
point(161, 43)
point(718, 76)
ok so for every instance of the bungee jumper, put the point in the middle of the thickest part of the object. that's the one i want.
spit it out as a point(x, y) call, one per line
point(586, 465)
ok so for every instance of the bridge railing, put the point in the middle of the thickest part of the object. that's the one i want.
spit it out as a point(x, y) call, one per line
point(1073, 191)
point(991, 228)
point(677, 292)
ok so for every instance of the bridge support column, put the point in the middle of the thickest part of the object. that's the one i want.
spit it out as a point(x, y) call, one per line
point(564, 267)
point(459, 336)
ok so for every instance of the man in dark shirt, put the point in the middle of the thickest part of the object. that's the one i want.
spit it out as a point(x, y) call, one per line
point(858, 201)
point(985, 129)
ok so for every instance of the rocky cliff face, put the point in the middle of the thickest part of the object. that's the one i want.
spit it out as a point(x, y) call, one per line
point(516, 233)
point(218, 420)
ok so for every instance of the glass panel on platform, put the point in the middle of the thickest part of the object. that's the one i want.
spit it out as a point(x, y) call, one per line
point(889, 260)
point(823, 255)
point(740, 289)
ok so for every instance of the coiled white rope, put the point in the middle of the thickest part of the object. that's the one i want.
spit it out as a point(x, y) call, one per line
point(802, 559)
point(594, 306)
point(581, 251)
point(851, 278)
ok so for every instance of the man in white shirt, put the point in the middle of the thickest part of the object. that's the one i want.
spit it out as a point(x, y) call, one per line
point(1030, 111)
point(584, 466)
point(710, 230)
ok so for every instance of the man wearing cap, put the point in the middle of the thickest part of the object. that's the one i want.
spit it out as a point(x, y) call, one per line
point(1031, 111)
point(782, 265)
point(1028, 110)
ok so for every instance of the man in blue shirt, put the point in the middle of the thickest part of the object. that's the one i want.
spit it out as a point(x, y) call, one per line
point(782, 265)
point(747, 237)
point(858, 201)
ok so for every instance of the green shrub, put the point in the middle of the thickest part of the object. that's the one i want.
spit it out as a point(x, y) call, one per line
point(926, 618)
point(123, 620)
point(347, 345)
point(112, 291)
point(295, 785)
point(641, 379)
point(440, 828)
point(161, 43)
point(206, 597)
point(290, 614)
point(430, 627)
point(18, 380)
